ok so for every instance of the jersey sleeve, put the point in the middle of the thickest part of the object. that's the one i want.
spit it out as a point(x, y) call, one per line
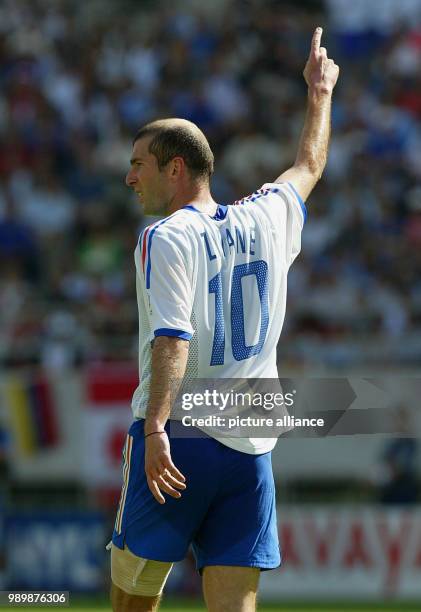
point(168, 287)
point(284, 204)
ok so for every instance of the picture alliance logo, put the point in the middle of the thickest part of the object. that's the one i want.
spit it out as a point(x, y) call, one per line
point(232, 399)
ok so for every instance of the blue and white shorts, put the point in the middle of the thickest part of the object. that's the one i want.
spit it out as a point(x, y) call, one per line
point(227, 512)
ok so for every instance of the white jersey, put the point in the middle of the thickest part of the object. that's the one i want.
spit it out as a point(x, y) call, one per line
point(221, 283)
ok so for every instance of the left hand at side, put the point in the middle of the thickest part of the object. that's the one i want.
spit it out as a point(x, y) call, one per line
point(161, 473)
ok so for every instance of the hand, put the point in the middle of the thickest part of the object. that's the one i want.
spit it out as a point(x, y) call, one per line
point(320, 72)
point(161, 473)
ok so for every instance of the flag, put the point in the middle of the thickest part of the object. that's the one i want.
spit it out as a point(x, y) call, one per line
point(31, 413)
point(107, 418)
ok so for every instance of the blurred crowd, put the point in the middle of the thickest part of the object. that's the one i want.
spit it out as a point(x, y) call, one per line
point(77, 79)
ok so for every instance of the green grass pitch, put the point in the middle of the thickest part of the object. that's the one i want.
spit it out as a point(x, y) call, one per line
point(171, 605)
point(278, 608)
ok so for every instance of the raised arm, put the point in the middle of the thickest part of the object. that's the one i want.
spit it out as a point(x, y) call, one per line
point(321, 74)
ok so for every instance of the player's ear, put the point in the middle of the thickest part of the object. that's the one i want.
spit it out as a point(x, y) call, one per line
point(177, 166)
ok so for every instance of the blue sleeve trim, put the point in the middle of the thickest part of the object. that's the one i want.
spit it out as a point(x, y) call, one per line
point(299, 198)
point(178, 333)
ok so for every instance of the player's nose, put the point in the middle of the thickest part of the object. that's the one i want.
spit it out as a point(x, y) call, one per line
point(130, 179)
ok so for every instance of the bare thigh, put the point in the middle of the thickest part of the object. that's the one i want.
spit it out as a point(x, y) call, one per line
point(230, 589)
point(123, 602)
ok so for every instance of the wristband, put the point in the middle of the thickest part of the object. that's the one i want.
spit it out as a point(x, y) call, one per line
point(154, 432)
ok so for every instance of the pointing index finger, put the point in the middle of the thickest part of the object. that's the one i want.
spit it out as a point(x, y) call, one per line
point(315, 42)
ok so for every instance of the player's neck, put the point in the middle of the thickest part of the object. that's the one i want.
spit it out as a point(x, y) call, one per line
point(197, 195)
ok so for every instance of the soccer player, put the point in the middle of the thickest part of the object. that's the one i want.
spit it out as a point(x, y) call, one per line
point(211, 290)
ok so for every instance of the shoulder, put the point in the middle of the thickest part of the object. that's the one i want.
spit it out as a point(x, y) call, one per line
point(283, 195)
point(265, 191)
point(170, 233)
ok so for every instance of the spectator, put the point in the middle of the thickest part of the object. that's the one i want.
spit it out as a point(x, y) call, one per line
point(76, 82)
point(400, 484)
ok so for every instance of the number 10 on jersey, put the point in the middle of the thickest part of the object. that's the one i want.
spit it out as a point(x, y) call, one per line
point(240, 350)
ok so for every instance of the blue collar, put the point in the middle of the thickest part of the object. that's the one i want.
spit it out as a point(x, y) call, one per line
point(221, 211)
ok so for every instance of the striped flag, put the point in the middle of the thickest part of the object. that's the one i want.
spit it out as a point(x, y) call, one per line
point(31, 413)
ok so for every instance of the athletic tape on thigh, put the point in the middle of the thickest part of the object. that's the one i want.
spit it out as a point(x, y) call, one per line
point(137, 576)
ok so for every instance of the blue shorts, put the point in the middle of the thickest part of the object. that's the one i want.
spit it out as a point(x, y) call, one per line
point(227, 511)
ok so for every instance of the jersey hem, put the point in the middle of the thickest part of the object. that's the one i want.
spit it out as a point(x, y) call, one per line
point(263, 565)
point(150, 556)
